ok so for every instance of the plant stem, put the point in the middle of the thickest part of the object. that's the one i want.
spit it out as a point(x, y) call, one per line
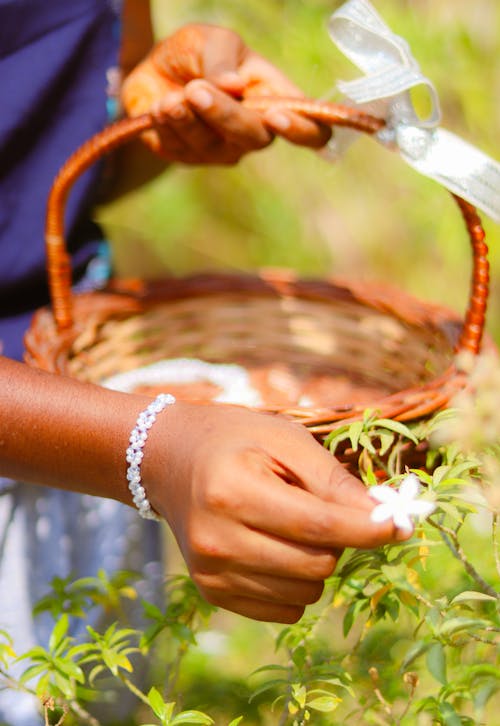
point(183, 648)
point(456, 549)
point(411, 696)
point(83, 715)
point(133, 688)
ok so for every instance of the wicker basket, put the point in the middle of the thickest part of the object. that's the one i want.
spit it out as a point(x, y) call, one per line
point(366, 347)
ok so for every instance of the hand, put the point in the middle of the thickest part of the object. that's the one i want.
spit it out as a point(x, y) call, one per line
point(196, 78)
point(260, 510)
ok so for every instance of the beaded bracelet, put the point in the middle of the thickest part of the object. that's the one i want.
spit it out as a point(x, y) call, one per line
point(135, 454)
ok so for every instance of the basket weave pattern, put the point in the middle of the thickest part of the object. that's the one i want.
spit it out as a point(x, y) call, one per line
point(379, 347)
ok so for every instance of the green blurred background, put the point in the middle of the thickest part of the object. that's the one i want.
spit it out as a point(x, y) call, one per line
point(368, 216)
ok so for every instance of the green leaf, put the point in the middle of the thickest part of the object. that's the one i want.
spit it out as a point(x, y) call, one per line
point(194, 717)
point(70, 669)
point(326, 704)
point(299, 693)
point(59, 632)
point(334, 443)
point(64, 685)
point(366, 443)
point(422, 646)
point(272, 667)
point(397, 427)
point(464, 467)
point(452, 511)
point(159, 707)
point(152, 611)
point(32, 671)
point(450, 716)
point(469, 595)
point(299, 657)
point(386, 441)
point(355, 431)
point(183, 633)
point(336, 433)
point(236, 721)
point(436, 662)
point(454, 625)
point(369, 477)
point(269, 685)
point(95, 672)
point(352, 612)
point(439, 474)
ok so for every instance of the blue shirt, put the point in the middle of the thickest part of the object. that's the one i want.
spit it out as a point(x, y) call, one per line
point(54, 59)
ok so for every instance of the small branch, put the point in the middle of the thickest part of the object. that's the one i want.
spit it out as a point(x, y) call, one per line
point(455, 548)
point(285, 712)
point(424, 601)
point(288, 699)
point(133, 688)
point(49, 704)
point(412, 680)
point(474, 636)
point(175, 666)
point(83, 715)
point(373, 673)
point(14, 684)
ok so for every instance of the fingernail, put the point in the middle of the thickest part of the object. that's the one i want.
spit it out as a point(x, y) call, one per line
point(230, 80)
point(178, 112)
point(278, 120)
point(201, 97)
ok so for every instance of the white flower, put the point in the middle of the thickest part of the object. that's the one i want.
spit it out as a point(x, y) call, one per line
point(400, 504)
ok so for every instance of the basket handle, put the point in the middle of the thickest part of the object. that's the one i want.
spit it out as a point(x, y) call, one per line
point(59, 262)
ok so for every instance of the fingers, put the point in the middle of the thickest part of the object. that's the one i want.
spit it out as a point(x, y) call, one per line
point(202, 124)
point(225, 545)
point(305, 518)
point(267, 503)
point(212, 68)
point(259, 609)
point(258, 576)
point(238, 125)
point(275, 590)
point(182, 135)
point(297, 129)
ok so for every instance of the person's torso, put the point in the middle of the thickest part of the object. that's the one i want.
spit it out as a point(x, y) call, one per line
point(55, 59)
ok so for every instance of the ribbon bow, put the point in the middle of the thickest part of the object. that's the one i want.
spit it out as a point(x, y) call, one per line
point(390, 74)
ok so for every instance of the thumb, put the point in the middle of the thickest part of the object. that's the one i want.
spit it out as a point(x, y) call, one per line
point(223, 54)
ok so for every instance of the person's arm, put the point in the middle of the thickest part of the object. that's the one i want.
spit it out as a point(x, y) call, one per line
point(260, 510)
point(134, 164)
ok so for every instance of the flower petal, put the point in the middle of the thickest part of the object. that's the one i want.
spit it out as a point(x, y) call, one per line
point(402, 521)
point(421, 508)
point(383, 493)
point(381, 513)
point(410, 487)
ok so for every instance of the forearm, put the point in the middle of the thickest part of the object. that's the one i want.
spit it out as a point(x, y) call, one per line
point(134, 164)
point(60, 432)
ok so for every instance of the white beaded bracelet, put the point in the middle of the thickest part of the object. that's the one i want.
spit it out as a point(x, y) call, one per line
point(135, 454)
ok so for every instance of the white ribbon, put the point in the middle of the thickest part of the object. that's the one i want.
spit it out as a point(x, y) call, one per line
point(391, 72)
